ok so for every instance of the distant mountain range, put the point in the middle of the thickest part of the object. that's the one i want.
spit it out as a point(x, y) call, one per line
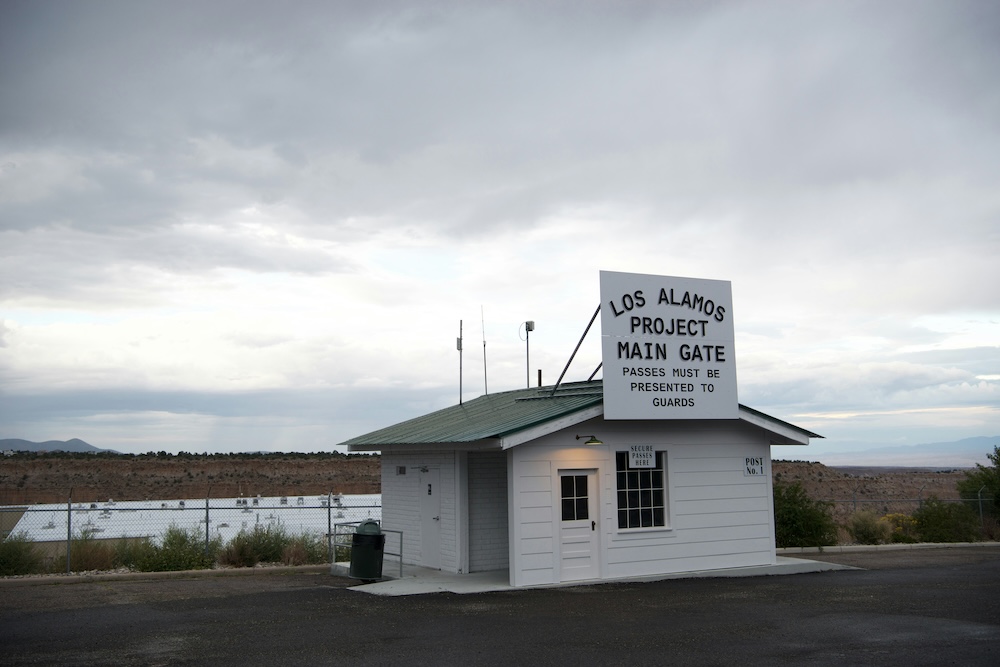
point(965, 453)
point(74, 445)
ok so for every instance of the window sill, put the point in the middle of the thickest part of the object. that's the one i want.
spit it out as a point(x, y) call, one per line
point(644, 531)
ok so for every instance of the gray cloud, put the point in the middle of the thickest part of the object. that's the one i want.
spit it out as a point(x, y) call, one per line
point(837, 161)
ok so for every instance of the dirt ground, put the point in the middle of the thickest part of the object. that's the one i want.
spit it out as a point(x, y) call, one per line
point(49, 479)
point(30, 479)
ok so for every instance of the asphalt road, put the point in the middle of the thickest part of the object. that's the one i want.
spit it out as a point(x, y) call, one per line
point(926, 607)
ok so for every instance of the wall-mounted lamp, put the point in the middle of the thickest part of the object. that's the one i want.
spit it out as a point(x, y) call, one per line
point(592, 440)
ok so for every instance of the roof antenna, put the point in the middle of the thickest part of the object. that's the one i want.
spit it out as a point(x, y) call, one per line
point(486, 386)
point(458, 344)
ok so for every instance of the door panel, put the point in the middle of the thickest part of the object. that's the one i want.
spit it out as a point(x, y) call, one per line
point(578, 530)
point(430, 518)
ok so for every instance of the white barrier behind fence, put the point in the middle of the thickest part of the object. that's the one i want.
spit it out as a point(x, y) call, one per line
point(226, 516)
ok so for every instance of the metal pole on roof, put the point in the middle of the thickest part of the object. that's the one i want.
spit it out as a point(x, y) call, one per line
point(585, 332)
point(486, 384)
point(529, 326)
point(458, 344)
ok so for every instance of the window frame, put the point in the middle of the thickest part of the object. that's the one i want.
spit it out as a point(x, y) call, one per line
point(663, 468)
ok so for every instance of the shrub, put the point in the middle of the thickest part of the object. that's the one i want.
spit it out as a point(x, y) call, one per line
point(185, 550)
point(87, 554)
point(984, 483)
point(904, 528)
point(946, 522)
point(262, 544)
point(800, 521)
point(136, 553)
point(18, 555)
point(867, 528)
point(305, 549)
point(179, 550)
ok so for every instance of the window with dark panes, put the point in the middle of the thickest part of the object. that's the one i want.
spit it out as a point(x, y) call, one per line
point(642, 496)
point(574, 498)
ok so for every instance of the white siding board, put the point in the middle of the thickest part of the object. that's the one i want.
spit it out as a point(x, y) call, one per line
point(720, 492)
point(529, 484)
point(724, 520)
point(540, 561)
point(536, 515)
point(533, 468)
point(532, 499)
point(703, 464)
point(536, 545)
point(662, 552)
point(709, 479)
point(536, 577)
point(539, 529)
point(694, 507)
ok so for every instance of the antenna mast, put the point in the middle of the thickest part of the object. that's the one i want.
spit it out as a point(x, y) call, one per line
point(486, 385)
point(458, 344)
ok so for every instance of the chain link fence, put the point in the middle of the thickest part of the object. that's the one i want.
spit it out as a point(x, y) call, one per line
point(975, 515)
point(53, 530)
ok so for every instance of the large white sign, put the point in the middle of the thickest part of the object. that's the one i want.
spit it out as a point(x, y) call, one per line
point(668, 347)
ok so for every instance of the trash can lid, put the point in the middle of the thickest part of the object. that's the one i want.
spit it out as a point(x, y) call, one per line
point(369, 527)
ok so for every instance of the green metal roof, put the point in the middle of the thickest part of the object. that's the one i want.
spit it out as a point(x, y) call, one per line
point(496, 416)
point(490, 416)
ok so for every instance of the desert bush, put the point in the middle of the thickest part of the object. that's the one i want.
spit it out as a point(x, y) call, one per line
point(305, 549)
point(88, 554)
point(991, 528)
point(18, 555)
point(868, 528)
point(135, 553)
point(178, 550)
point(984, 483)
point(946, 522)
point(904, 528)
point(800, 521)
point(261, 544)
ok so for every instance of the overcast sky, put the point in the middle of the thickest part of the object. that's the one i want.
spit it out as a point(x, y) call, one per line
point(234, 226)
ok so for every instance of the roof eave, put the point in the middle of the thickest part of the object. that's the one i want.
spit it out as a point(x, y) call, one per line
point(545, 428)
point(783, 433)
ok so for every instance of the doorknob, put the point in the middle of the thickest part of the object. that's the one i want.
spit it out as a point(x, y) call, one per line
point(593, 525)
point(437, 518)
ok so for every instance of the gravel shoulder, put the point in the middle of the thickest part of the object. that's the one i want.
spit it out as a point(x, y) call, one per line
point(890, 557)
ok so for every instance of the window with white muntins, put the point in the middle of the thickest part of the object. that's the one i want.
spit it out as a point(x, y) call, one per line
point(642, 492)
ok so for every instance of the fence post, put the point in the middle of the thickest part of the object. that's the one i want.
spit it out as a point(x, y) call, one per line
point(69, 529)
point(329, 527)
point(208, 495)
point(982, 521)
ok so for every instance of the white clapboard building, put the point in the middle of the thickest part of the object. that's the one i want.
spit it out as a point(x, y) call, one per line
point(656, 469)
point(539, 483)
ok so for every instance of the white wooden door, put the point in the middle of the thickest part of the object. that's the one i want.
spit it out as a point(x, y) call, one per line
point(430, 518)
point(578, 530)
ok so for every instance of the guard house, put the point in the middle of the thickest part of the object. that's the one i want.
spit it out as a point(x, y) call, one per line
point(537, 482)
point(655, 469)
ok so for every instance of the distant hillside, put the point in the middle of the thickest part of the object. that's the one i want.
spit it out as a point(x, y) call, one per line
point(33, 478)
point(964, 453)
point(74, 445)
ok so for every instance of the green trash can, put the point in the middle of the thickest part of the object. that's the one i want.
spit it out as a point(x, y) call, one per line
point(367, 549)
